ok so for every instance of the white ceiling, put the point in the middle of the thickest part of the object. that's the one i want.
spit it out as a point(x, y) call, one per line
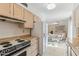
point(62, 10)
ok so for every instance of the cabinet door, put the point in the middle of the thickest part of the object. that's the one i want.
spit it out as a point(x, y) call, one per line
point(33, 49)
point(28, 17)
point(77, 16)
point(6, 9)
point(34, 53)
point(18, 11)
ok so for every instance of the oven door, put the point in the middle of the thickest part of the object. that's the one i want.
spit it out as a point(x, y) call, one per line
point(23, 53)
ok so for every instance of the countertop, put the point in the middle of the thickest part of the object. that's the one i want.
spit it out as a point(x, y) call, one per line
point(25, 37)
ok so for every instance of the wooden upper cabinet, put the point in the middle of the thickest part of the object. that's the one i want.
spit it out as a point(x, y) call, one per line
point(17, 11)
point(77, 16)
point(6, 9)
point(28, 17)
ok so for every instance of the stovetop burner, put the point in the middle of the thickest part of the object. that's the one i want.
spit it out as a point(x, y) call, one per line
point(3, 43)
point(7, 45)
point(19, 40)
point(10, 49)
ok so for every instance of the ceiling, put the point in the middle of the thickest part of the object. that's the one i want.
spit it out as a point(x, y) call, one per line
point(62, 10)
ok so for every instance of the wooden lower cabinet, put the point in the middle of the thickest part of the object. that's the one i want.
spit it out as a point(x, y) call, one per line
point(33, 49)
point(34, 53)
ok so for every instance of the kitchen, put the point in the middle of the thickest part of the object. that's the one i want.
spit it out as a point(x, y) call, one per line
point(16, 33)
point(25, 27)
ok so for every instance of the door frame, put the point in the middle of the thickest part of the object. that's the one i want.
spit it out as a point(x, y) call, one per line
point(45, 37)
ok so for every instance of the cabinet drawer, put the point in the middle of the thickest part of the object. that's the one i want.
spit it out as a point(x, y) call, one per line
point(34, 53)
point(30, 50)
point(33, 47)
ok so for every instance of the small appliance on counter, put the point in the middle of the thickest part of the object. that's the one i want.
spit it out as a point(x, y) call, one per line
point(14, 48)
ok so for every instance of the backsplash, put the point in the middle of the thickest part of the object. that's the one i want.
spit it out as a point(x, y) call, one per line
point(11, 29)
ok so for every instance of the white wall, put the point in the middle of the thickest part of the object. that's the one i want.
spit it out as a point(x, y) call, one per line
point(11, 29)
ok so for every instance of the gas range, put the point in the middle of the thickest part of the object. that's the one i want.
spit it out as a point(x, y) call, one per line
point(9, 48)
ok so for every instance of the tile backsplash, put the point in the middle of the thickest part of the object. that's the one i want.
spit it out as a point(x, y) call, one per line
point(10, 28)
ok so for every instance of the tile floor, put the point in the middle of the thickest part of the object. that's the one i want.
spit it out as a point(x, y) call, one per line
point(56, 49)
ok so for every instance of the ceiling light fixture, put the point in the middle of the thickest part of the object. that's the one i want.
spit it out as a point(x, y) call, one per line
point(55, 23)
point(51, 6)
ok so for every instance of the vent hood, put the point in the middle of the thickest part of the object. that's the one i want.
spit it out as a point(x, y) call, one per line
point(25, 4)
point(6, 18)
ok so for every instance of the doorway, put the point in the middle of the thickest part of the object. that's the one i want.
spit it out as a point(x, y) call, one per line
point(56, 34)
